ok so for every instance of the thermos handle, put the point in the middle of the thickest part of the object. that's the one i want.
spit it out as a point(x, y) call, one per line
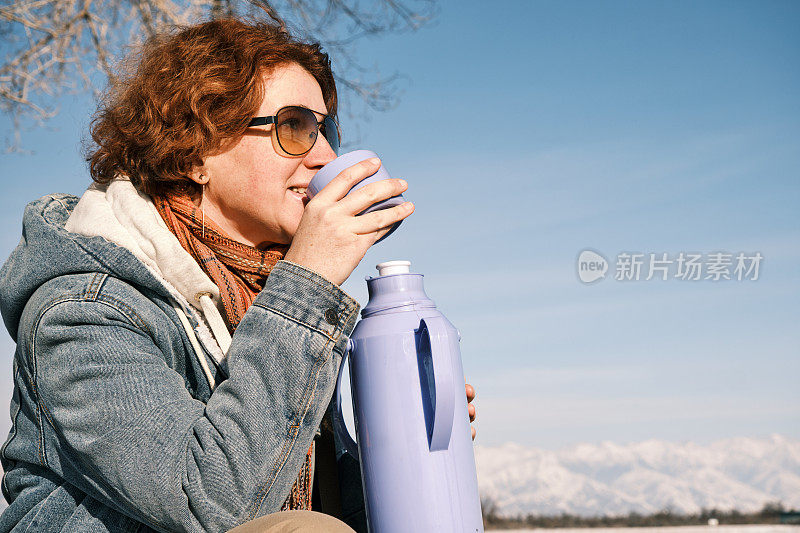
point(441, 356)
point(339, 426)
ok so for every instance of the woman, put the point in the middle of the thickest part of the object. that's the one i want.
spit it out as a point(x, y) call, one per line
point(179, 328)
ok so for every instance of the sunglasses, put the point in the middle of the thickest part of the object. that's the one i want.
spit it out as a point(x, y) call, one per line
point(297, 129)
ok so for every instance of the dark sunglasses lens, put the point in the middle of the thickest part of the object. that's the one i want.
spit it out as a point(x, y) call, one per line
point(331, 132)
point(297, 129)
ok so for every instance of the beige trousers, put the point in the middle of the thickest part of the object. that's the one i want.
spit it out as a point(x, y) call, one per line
point(294, 522)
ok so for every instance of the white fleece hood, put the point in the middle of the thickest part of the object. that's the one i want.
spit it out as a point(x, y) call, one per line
point(122, 215)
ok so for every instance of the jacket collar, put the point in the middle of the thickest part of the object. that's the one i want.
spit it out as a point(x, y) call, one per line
point(122, 215)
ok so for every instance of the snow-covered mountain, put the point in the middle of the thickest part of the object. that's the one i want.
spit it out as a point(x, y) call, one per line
point(646, 477)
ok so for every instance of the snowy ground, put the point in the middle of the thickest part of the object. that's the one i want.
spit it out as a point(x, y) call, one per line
point(682, 529)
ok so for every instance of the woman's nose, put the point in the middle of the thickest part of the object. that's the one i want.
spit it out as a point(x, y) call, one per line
point(321, 153)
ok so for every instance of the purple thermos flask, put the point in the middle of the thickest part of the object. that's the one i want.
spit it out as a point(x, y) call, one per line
point(410, 411)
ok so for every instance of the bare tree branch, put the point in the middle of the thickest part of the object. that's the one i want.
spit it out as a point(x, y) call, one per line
point(55, 45)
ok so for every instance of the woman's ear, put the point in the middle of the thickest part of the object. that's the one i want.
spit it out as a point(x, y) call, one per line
point(197, 175)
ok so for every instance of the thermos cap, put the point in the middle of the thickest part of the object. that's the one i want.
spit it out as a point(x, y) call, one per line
point(393, 267)
point(395, 289)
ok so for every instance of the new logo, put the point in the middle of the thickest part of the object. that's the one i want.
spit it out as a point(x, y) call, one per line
point(591, 266)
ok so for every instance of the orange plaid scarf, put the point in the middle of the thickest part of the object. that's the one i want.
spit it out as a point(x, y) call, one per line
point(240, 271)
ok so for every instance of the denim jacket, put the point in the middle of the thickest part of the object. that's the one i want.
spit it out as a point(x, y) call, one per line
point(129, 413)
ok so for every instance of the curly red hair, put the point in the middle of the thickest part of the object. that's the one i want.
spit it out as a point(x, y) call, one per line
point(189, 92)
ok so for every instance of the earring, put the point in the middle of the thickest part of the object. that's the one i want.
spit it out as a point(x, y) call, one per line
point(202, 212)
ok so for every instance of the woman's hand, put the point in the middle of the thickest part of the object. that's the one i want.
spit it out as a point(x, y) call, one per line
point(471, 408)
point(330, 239)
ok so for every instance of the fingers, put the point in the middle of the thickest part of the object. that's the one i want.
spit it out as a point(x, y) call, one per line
point(370, 194)
point(346, 179)
point(470, 392)
point(382, 220)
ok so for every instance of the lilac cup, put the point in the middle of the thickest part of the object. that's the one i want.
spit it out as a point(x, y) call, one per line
point(332, 169)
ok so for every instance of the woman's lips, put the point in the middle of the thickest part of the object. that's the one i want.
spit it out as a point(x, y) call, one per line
point(302, 197)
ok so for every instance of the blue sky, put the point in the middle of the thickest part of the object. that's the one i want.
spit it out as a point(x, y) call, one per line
point(530, 131)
